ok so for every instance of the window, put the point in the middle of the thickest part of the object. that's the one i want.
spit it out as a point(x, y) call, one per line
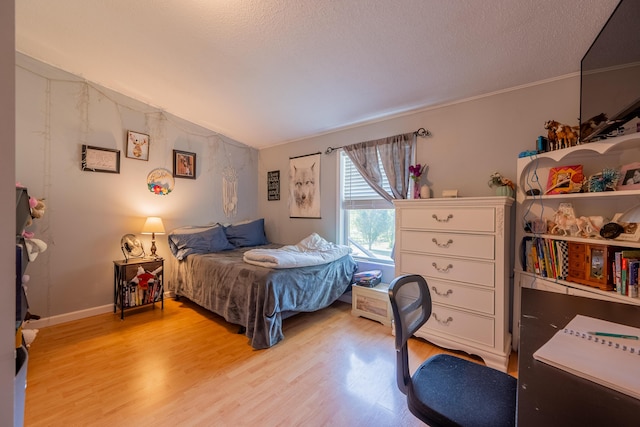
point(367, 220)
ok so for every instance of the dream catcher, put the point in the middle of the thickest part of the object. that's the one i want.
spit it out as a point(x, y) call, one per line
point(230, 191)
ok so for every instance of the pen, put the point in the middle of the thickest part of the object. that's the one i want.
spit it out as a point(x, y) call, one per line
point(607, 334)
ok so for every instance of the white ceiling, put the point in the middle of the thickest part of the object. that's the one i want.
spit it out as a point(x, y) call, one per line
point(265, 72)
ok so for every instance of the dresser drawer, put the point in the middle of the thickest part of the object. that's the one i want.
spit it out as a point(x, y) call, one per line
point(463, 325)
point(449, 219)
point(457, 295)
point(464, 245)
point(459, 270)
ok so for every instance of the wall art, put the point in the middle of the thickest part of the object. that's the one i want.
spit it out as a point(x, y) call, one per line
point(304, 186)
point(97, 159)
point(137, 145)
point(160, 181)
point(273, 185)
point(184, 164)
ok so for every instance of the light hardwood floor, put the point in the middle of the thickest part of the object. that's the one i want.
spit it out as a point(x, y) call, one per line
point(184, 366)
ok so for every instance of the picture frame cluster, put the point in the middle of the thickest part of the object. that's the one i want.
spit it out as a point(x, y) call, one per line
point(137, 147)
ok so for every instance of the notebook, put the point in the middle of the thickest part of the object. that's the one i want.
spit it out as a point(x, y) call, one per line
point(609, 361)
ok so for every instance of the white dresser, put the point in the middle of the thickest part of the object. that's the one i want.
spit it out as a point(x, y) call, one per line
point(462, 247)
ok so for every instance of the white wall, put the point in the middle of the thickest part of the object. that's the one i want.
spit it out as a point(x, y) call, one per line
point(470, 140)
point(88, 212)
point(7, 213)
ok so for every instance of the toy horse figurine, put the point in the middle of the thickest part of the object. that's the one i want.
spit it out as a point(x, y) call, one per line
point(560, 135)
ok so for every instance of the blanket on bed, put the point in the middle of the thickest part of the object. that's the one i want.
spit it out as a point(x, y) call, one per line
point(255, 297)
point(312, 250)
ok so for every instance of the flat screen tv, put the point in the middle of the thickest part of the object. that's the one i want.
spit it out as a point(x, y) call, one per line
point(610, 75)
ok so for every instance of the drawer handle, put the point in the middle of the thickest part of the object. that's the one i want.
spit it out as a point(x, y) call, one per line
point(442, 245)
point(442, 270)
point(446, 294)
point(442, 220)
point(443, 322)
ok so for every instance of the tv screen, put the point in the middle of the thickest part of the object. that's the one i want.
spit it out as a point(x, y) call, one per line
point(610, 75)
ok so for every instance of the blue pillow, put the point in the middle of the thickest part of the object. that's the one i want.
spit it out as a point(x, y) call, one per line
point(198, 240)
point(248, 234)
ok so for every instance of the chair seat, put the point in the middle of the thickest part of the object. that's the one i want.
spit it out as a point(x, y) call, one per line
point(450, 391)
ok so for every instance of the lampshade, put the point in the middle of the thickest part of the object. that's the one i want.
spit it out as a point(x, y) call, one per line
point(631, 216)
point(153, 225)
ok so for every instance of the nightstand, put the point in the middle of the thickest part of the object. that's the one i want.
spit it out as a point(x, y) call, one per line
point(372, 303)
point(137, 282)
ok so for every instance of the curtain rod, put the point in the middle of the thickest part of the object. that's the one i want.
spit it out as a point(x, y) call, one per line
point(422, 132)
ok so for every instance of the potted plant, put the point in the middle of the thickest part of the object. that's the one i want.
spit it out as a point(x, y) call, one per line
point(503, 186)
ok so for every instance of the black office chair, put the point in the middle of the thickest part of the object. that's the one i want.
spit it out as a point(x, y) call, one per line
point(445, 390)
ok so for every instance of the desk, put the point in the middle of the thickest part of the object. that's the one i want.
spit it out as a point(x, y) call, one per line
point(548, 396)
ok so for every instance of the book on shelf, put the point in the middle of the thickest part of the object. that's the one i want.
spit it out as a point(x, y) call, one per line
point(596, 350)
point(625, 270)
point(547, 257)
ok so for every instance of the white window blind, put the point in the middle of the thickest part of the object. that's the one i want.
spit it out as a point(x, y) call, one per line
point(356, 193)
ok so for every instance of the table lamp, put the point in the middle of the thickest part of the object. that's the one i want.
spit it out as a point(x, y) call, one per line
point(153, 225)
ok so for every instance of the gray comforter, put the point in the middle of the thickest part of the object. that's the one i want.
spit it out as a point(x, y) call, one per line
point(257, 298)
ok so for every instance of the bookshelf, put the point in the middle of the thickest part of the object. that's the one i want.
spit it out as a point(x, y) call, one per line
point(532, 173)
point(137, 282)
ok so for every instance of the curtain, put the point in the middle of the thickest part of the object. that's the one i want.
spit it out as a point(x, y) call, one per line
point(396, 154)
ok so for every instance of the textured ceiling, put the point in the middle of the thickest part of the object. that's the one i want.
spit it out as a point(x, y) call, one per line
point(265, 72)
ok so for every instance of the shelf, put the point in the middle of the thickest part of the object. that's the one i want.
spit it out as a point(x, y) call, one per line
point(602, 194)
point(624, 243)
point(599, 147)
point(608, 294)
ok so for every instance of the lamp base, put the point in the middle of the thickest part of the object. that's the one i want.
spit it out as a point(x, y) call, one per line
point(153, 246)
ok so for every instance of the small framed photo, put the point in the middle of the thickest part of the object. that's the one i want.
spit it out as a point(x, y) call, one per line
point(630, 230)
point(137, 145)
point(629, 177)
point(184, 164)
point(565, 179)
point(98, 159)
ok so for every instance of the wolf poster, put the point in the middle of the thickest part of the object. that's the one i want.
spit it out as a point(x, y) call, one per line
point(304, 186)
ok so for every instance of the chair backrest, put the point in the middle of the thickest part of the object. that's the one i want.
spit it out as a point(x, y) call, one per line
point(411, 306)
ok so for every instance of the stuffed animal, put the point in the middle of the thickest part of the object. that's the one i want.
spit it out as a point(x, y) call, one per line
point(37, 208)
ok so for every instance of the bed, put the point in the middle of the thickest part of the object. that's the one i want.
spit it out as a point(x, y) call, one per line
point(209, 268)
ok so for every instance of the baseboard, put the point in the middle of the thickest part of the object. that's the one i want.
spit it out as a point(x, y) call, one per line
point(68, 317)
point(75, 315)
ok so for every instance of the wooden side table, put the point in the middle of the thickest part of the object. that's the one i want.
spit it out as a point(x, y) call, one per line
point(137, 282)
point(372, 303)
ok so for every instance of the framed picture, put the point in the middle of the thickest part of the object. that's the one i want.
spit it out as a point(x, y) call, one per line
point(631, 231)
point(273, 185)
point(137, 145)
point(304, 186)
point(97, 159)
point(565, 179)
point(629, 177)
point(184, 164)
